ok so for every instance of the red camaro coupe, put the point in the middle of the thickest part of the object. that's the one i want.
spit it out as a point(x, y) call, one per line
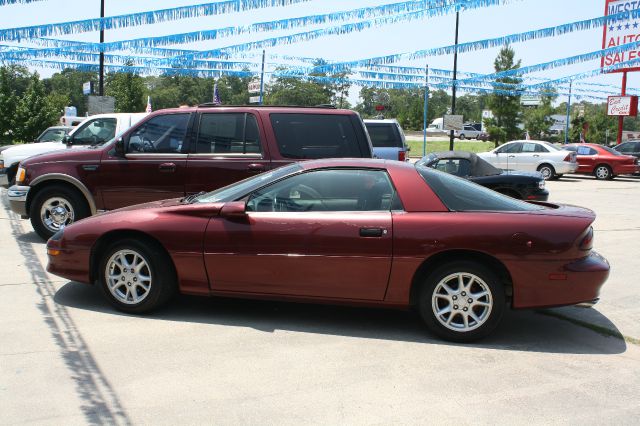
point(602, 162)
point(367, 232)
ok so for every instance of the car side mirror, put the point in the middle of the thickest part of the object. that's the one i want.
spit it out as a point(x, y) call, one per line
point(234, 210)
point(120, 148)
point(68, 140)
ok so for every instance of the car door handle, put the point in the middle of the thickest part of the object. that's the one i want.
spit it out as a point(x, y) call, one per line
point(372, 232)
point(167, 167)
point(256, 168)
point(536, 155)
point(512, 156)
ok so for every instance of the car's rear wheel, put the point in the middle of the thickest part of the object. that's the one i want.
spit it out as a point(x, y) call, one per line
point(136, 277)
point(603, 172)
point(462, 301)
point(547, 170)
point(55, 207)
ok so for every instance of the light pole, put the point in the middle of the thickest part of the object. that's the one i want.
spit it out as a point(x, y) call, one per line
point(101, 76)
point(455, 73)
point(426, 108)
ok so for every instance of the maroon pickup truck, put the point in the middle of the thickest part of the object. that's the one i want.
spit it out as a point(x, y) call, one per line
point(177, 152)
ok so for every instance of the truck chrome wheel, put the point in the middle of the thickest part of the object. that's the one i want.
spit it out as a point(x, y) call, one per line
point(56, 213)
point(128, 277)
point(462, 302)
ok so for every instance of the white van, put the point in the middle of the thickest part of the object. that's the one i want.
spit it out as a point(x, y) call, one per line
point(94, 130)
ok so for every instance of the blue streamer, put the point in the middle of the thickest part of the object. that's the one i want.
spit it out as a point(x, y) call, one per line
point(8, 2)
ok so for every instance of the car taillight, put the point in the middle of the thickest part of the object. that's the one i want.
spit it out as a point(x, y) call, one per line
point(402, 155)
point(587, 241)
point(571, 157)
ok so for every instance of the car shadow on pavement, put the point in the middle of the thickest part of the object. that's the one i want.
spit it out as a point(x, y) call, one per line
point(30, 237)
point(578, 178)
point(526, 331)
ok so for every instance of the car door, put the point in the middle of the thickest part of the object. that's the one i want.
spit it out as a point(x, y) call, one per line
point(228, 148)
point(531, 155)
point(505, 156)
point(153, 167)
point(325, 233)
point(586, 157)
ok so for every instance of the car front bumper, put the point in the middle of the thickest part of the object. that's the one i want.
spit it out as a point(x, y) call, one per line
point(540, 195)
point(18, 200)
point(626, 169)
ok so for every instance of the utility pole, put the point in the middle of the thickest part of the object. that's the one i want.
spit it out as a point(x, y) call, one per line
point(426, 108)
point(455, 73)
point(566, 127)
point(262, 79)
point(101, 77)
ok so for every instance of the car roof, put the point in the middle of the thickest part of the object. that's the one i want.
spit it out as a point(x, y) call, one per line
point(382, 121)
point(275, 109)
point(371, 163)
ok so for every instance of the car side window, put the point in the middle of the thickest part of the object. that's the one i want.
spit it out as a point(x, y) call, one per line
point(331, 190)
point(585, 150)
point(509, 148)
point(455, 166)
point(541, 148)
point(228, 133)
point(529, 147)
point(315, 135)
point(95, 132)
point(625, 147)
point(163, 134)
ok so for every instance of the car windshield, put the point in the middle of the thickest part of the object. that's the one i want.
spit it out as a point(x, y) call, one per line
point(238, 190)
point(461, 195)
point(611, 150)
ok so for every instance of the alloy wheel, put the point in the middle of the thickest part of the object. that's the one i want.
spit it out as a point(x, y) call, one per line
point(128, 276)
point(462, 302)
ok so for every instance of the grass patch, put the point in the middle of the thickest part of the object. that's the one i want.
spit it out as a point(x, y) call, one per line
point(443, 145)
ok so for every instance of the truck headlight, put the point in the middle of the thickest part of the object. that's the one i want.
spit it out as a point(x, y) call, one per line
point(21, 174)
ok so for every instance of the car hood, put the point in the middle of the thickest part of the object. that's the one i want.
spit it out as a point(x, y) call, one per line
point(64, 154)
point(32, 149)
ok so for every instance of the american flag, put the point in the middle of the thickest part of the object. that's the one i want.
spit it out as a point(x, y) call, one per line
point(148, 108)
point(216, 96)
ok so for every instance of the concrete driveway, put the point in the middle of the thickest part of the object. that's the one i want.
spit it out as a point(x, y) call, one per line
point(67, 358)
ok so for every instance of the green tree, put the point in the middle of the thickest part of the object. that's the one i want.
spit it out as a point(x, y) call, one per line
point(128, 90)
point(8, 102)
point(69, 83)
point(294, 90)
point(593, 118)
point(233, 90)
point(471, 107)
point(537, 120)
point(34, 112)
point(506, 108)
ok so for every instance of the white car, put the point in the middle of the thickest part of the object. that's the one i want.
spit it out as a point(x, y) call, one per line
point(530, 155)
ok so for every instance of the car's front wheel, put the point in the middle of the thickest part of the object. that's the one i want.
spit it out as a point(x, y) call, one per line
point(462, 301)
point(462, 137)
point(603, 172)
point(136, 276)
point(55, 207)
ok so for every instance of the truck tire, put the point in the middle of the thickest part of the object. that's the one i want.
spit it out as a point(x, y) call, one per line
point(55, 207)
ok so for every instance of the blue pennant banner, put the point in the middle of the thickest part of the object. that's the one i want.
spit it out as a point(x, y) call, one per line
point(7, 2)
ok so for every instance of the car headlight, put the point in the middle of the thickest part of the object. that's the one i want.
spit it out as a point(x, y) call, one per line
point(541, 184)
point(21, 174)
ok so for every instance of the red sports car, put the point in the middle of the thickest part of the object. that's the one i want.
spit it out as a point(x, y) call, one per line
point(366, 232)
point(602, 162)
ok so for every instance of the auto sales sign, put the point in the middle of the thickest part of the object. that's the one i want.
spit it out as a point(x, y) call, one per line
point(622, 31)
point(622, 106)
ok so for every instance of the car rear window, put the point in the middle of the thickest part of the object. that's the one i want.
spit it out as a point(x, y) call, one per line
point(315, 136)
point(460, 195)
point(384, 135)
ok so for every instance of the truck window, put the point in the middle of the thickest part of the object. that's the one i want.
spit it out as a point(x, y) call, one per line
point(222, 133)
point(315, 135)
point(95, 132)
point(163, 134)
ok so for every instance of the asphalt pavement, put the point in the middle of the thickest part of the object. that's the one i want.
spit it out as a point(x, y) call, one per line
point(66, 357)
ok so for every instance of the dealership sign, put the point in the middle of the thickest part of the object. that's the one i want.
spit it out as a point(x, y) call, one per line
point(621, 31)
point(622, 106)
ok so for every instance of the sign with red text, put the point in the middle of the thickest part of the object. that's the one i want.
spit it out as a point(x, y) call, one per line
point(621, 31)
point(622, 106)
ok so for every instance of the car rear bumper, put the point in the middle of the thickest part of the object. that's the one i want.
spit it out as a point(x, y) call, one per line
point(538, 284)
point(18, 199)
point(566, 167)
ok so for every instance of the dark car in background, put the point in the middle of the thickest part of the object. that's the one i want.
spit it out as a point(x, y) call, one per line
point(601, 161)
point(515, 184)
point(629, 148)
point(388, 140)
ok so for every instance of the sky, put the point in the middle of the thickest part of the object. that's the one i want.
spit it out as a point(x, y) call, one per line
point(513, 17)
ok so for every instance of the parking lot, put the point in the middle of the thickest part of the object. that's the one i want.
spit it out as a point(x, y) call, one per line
point(66, 357)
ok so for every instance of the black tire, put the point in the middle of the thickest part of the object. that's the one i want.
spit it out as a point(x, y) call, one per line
point(556, 177)
point(159, 268)
point(462, 136)
point(547, 170)
point(603, 172)
point(485, 280)
point(71, 201)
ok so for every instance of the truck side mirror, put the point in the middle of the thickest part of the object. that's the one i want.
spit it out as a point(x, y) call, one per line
point(120, 148)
